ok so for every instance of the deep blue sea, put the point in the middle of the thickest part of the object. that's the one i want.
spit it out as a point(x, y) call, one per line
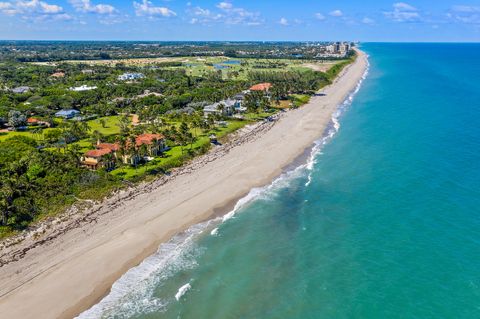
point(382, 222)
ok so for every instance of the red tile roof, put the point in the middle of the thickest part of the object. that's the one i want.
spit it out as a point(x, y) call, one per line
point(32, 120)
point(261, 87)
point(147, 138)
point(98, 153)
point(109, 146)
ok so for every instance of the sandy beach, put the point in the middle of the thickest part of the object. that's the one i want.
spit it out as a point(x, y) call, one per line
point(67, 274)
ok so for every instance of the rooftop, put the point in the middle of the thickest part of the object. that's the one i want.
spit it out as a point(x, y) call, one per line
point(147, 138)
point(261, 87)
point(108, 146)
point(98, 153)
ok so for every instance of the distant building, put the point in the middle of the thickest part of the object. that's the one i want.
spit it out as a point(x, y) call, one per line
point(21, 89)
point(82, 88)
point(337, 47)
point(67, 114)
point(344, 48)
point(130, 76)
point(330, 49)
point(88, 71)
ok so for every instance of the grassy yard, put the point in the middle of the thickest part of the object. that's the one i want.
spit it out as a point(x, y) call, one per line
point(111, 125)
point(175, 157)
point(300, 99)
point(111, 128)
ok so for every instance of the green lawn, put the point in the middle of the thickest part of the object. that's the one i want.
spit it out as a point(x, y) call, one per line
point(111, 125)
point(175, 157)
point(195, 67)
point(300, 99)
point(111, 128)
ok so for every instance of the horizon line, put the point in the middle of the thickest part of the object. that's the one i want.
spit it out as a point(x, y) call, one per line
point(234, 41)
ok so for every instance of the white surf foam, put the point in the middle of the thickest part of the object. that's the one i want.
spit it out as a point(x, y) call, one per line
point(332, 128)
point(133, 292)
point(182, 291)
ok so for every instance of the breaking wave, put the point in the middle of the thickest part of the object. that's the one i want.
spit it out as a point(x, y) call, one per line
point(133, 293)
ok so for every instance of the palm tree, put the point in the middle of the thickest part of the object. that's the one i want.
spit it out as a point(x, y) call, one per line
point(184, 134)
point(85, 127)
point(7, 190)
point(124, 124)
point(74, 153)
point(122, 141)
point(97, 137)
point(102, 122)
point(133, 150)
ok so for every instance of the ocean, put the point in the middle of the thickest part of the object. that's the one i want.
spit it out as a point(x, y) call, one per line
point(383, 221)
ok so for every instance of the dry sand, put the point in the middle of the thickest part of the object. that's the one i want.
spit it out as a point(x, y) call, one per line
point(66, 275)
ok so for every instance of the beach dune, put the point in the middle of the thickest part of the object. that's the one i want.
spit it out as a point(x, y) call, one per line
point(74, 271)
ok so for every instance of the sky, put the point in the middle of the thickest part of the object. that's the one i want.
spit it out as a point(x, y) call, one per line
point(239, 20)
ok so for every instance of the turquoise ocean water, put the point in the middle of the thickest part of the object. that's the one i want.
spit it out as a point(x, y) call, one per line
point(382, 222)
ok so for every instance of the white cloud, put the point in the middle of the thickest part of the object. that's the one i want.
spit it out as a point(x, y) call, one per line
point(465, 14)
point(34, 9)
point(87, 7)
point(227, 13)
point(368, 21)
point(403, 12)
point(466, 9)
point(146, 8)
point(203, 16)
point(319, 16)
point(336, 13)
point(5, 5)
point(225, 5)
point(283, 21)
point(402, 6)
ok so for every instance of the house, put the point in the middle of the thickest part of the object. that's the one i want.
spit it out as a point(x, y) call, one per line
point(32, 121)
point(130, 76)
point(225, 107)
point(67, 114)
point(105, 154)
point(155, 143)
point(88, 71)
point(21, 89)
point(239, 101)
point(261, 87)
point(109, 146)
point(99, 158)
point(145, 145)
point(82, 88)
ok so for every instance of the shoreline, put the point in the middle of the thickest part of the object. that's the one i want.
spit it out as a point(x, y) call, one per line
point(76, 269)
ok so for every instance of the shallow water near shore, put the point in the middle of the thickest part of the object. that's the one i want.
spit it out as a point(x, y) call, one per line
point(382, 222)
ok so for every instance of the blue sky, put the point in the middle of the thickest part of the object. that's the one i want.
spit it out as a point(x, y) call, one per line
point(369, 20)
